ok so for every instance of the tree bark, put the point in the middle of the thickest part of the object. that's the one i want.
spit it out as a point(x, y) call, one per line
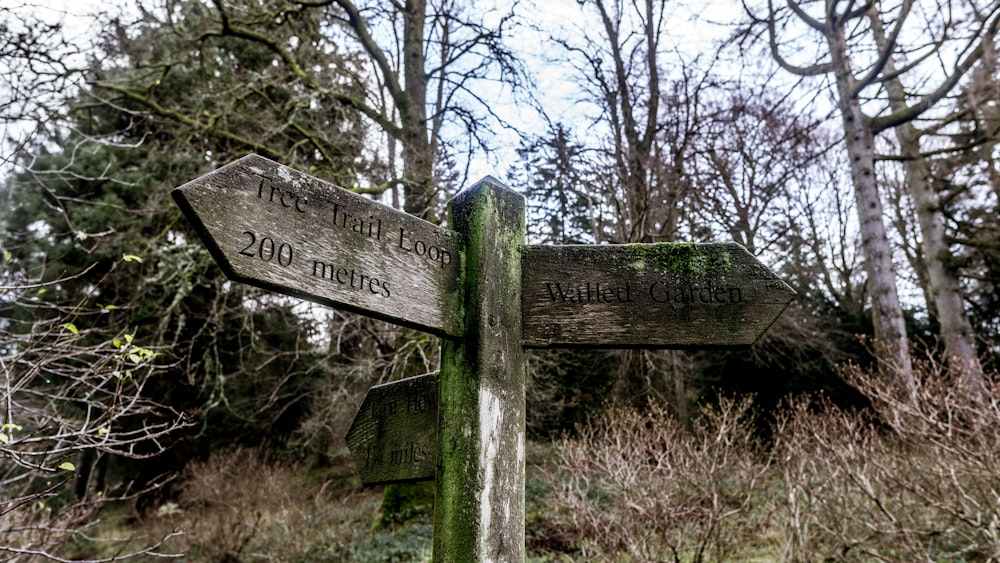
point(943, 288)
point(887, 312)
point(418, 163)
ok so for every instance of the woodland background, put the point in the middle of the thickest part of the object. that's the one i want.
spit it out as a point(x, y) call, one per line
point(149, 406)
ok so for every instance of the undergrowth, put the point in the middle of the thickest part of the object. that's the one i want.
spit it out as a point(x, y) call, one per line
point(913, 478)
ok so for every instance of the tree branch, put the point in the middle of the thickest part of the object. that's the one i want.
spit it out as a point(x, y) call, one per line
point(389, 77)
point(817, 69)
point(235, 30)
point(885, 51)
point(988, 34)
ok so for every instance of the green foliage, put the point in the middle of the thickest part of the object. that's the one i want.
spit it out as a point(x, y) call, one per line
point(408, 543)
point(90, 206)
point(226, 93)
point(402, 503)
point(555, 181)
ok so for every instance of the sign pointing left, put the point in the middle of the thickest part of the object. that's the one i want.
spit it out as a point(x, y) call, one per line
point(274, 227)
point(394, 435)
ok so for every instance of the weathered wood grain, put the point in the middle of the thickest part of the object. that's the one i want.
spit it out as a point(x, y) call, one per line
point(274, 227)
point(393, 437)
point(479, 498)
point(668, 295)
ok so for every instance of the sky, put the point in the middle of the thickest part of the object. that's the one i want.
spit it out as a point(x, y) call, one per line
point(78, 27)
point(689, 32)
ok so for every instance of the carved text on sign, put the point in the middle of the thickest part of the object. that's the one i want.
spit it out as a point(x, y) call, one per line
point(393, 436)
point(272, 226)
point(647, 296)
point(658, 292)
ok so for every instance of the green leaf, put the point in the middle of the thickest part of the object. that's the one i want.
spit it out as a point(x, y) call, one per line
point(71, 327)
point(67, 466)
point(4, 439)
point(12, 426)
point(131, 258)
point(7, 256)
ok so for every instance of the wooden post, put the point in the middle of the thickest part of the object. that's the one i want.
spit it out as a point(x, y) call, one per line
point(479, 502)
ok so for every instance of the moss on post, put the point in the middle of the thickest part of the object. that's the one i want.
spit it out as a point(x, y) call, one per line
point(479, 504)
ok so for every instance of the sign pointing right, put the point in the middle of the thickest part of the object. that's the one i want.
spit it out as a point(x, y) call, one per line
point(665, 295)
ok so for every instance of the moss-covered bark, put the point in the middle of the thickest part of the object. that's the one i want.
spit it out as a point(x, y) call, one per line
point(479, 507)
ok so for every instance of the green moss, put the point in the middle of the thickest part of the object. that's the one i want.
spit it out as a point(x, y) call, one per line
point(485, 217)
point(682, 258)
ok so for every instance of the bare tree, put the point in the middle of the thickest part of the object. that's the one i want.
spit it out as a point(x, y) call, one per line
point(37, 66)
point(945, 296)
point(645, 121)
point(438, 52)
point(751, 161)
point(858, 63)
point(71, 395)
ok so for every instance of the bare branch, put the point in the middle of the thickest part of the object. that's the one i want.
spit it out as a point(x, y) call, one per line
point(987, 34)
point(817, 69)
point(885, 50)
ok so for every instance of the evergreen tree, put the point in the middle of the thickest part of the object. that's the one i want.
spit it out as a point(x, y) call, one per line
point(168, 102)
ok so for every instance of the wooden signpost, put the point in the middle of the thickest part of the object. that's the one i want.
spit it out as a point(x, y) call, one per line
point(489, 295)
point(394, 436)
point(666, 295)
point(274, 227)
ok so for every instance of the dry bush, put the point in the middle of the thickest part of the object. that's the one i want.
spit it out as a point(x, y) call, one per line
point(73, 393)
point(237, 506)
point(915, 480)
point(640, 485)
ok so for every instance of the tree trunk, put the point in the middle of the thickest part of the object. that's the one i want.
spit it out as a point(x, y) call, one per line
point(420, 197)
point(944, 289)
point(943, 283)
point(890, 328)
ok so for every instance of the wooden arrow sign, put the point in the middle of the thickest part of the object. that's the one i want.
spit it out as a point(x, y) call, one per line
point(274, 227)
point(394, 435)
point(668, 295)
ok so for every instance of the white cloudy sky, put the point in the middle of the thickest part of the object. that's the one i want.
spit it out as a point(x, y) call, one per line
point(687, 32)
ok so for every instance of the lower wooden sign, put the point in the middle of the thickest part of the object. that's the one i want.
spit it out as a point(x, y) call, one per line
point(393, 438)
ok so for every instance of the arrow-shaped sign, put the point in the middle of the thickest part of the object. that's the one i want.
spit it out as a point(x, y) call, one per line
point(274, 227)
point(394, 435)
point(667, 295)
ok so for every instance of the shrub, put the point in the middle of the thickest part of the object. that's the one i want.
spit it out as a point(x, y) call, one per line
point(911, 478)
point(639, 485)
point(915, 479)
